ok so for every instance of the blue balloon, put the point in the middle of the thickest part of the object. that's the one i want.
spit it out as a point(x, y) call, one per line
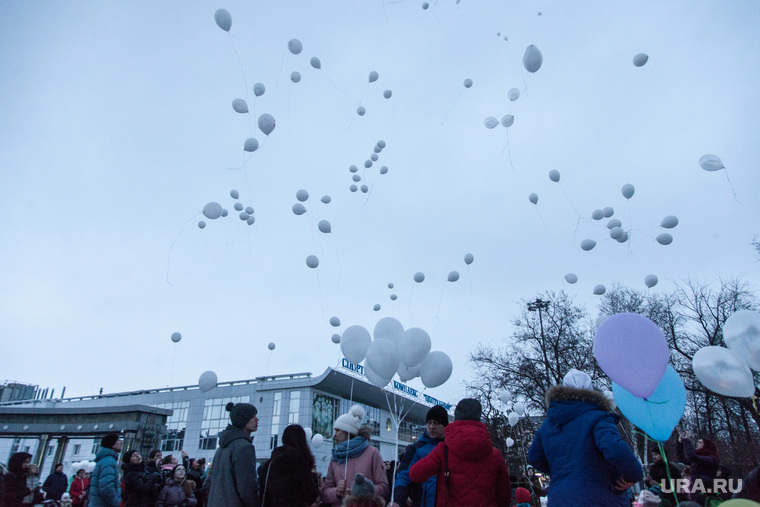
point(658, 414)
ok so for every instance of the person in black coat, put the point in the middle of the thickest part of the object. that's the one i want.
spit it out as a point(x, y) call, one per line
point(15, 480)
point(704, 463)
point(140, 487)
point(56, 483)
point(285, 480)
point(658, 476)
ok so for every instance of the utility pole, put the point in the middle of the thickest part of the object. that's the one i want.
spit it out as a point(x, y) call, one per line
point(538, 305)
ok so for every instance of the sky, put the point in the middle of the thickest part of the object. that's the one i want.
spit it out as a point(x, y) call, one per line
point(117, 129)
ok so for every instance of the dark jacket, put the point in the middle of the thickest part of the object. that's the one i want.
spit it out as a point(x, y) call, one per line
point(580, 446)
point(750, 486)
point(141, 489)
point(703, 467)
point(659, 474)
point(422, 495)
point(285, 480)
point(233, 478)
point(173, 495)
point(55, 485)
point(105, 487)
point(14, 481)
point(477, 473)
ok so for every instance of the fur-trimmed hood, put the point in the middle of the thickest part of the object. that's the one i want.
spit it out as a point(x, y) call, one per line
point(566, 403)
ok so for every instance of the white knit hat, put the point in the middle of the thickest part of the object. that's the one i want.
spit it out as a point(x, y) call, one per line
point(352, 421)
point(578, 379)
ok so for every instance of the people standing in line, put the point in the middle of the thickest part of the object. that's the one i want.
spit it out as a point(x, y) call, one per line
point(140, 487)
point(178, 491)
point(56, 483)
point(351, 455)
point(286, 480)
point(580, 447)
point(703, 461)
point(469, 469)
point(78, 488)
point(105, 486)
point(233, 481)
point(14, 481)
point(422, 495)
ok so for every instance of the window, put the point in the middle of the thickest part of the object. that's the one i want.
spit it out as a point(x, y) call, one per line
point(295, 405)
point(215, 419)
point(273, 442)
point(16, 445)
point(50, 450)
point(175, 424)
point(276, 410)
point(77, 448)
point(95, 446)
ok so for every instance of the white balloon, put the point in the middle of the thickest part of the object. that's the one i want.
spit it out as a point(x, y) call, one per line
point(510, 442)
point(324, 226)
point(627, 190)
point(513, 418)
point(302, 195)
point(271, 346)
point(513, 94)
point(724, 372)
point(436, 369)
point(212, 210)
point(266, 123)
point(225, 212)
point(308, 432)
point(669, 222)
point(453, 276)
point(382, 358)
point(251, 144)
point(259, 89)
point(353, 188)
point(588, 244)
point(295, 76)
point(425, 5)
point(394, 297)
point(249, 210)
point(600, 319)
point(387, 94)
point(468, 258)
point(650, 281)
point(234, 194)
point(741, 332)
point(407, 373)
point(384, 169)
point(373, 76)
point(364, 188)
point(597, 214)
point(640, 59)
point(354, 343)
point(374, 378)
point(244, 216)
point(419, 277)
point(490, 122)
point(295, 46)
point(532, 59)
point(507, 120)
point(361, 111)
point(600, 289)
point(505, 396)
point(335, 338)
point(223, 19)
point(388, 328)
point(299, 208)
point(240, 106)
point(176, 337)
point(376, 307)
point(250, 220)
point(312, 261)
point(616, 232)
point(467, 83)
point(533, 198)
point(519, 407)
point(664, 238)
point(623, 238)
point(414, 346)
point(614, 223)
point(326, 199)
point(554, 175)
point(711, 163)
point(90, 467)
point(207, 381)
point(608, 212)
point(571, 278)
point(314, 61)
point(317, 440)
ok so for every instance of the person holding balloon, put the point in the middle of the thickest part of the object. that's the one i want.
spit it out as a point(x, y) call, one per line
point(704, 463)
point(580, 447)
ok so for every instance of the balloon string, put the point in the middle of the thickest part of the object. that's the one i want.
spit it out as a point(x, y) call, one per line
point(169, 253)
point(452, 107)
point(732, 187)
point(242, 71)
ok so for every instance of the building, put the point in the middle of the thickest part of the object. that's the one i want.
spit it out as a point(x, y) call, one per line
point(184, 418)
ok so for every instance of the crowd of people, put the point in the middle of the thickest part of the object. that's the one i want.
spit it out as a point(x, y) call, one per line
point(452, 464)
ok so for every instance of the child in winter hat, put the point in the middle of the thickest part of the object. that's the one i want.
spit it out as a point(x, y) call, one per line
point(647, 499)
point(363, 494)
point(577, 379)
point(522, 497)
point(351, 422)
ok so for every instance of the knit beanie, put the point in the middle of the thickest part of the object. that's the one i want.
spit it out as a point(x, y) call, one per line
point(648, 499)
point(241, 413)
point(351, 422)
point(438, 414)
point(577, 379)
point(127, 456)
point(362, 486)
point(522, 495)
point(468, 409)
point(109, 440)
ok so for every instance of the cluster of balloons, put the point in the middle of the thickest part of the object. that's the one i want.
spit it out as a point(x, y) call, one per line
point(87, 466)
point(518, 409)
point(316, 439)
point(633, 352)
point(395, 351)
point(213, 210)
point(727, 371)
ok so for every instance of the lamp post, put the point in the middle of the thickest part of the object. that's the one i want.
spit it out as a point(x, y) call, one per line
point(538, 305)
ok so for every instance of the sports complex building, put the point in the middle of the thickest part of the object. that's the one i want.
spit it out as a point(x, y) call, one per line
point(173, 419)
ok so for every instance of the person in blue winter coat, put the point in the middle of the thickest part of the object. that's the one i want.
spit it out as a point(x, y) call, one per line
point(105, 485)
point(580, 447)
point(422, 495)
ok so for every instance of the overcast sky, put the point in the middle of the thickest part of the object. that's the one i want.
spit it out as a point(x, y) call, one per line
point(117, 128)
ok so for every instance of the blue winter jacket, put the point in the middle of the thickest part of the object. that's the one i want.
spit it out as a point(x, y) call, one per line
point(580, 447)
point(423, 495)
point(105, 485)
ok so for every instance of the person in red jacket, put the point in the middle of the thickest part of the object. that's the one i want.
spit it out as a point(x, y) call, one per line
point(469, 469)
point(78, 488)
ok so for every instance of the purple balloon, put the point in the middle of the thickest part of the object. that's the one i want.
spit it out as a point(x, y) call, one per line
point(633, 352)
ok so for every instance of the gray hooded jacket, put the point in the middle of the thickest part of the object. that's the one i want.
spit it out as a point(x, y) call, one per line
point(233, 471)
